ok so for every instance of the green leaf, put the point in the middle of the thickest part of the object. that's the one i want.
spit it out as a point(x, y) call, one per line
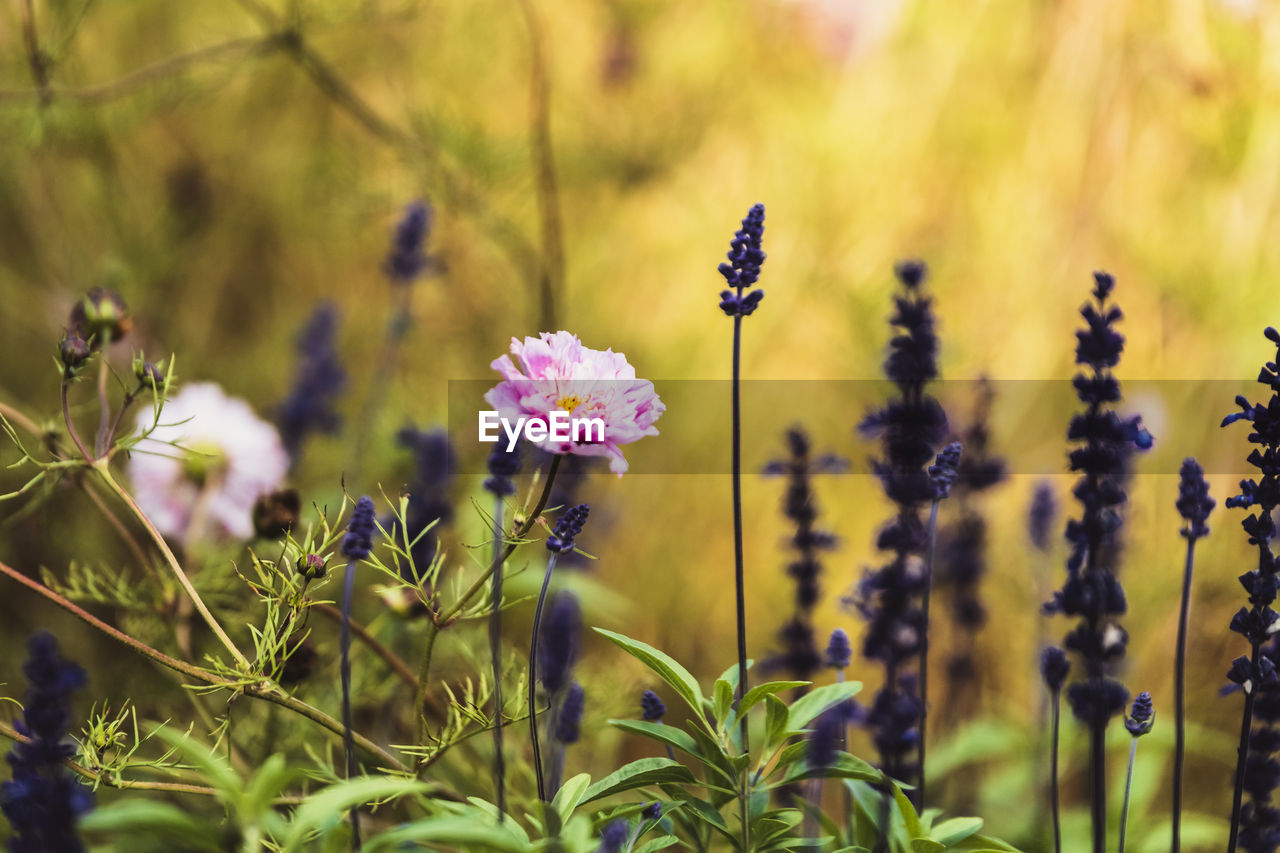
point(667, 668)
point(954, 831)
point(807, 708)
point(846, 766)
point(723, 703)
point(926, 845)
point(661, 843)
point(669, 735)
point(637, 774)
point(908, 811)
point(326, 807)
point(570, 794)
point(153, 819)
point(451, 830)
point(215, 769)
point(776, 720)
point(272, 778)
point(756, 694)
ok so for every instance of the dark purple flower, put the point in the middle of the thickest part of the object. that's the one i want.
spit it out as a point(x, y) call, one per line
point(558, 645)
point(1194, 503)
point(429, 506)
point(569, 720)
point(1040, 520)
point(358, 542)
point(1054, 668)
point(742, 269)
point(318, 381)
point(839, 651)
point(407, 258)
point(43, 800)
point(1142, 716)
point(652, 707)
point(567, 528)
point(613, 836)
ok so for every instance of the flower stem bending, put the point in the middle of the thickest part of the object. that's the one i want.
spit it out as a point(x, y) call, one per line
point(103, 469)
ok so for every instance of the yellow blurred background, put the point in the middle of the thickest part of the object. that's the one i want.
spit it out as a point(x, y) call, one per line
point(226, 166)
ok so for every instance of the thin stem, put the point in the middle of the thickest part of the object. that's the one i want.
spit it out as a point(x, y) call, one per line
point(1179, 693)
point(348, 592)
point(533, 676)
point(115, 633)
point(114, 520)
point(1098, 783)
point(104, 407)
point(114, 429)
point(924, 646)
point(1128, 784)
point(165, 68)
point(71, 427)
point(361, 633)
point(738, 570)
point(260, 690)
point(440, 621)
point(551, 275)
point(424, 673)
point(37, 61)
point(1242, 754)
point(9, 413)
point(495, 655)
point(103, 468)
point(1053, 773)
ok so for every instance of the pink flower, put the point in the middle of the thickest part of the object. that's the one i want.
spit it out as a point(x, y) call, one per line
point(557, 373)
point(210, 457)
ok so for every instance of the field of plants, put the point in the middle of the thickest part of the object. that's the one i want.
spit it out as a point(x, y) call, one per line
point(626, 425)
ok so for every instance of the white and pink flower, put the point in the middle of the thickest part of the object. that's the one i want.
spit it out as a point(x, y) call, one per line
point(557, 373)
point(211, 457)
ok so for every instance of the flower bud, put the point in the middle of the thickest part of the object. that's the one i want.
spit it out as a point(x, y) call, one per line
point(151, 376)
point(73, 351)
point(101, 316)
point(311, 566)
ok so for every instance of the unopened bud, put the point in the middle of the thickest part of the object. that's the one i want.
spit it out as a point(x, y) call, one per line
point(101, 316)
point(311, 566)
point(73, 351)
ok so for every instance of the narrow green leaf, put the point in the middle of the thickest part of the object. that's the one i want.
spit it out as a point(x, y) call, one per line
point(450, 830)
point(776, 720)
point(660, 732)
point(954, 831)
point(637, 774)
point(660, 843)
point(807, 708)
point(667, 668)
point(846, 766)
point(326, 806)
point(153, 819)
point(723, 703)
point(570, 794)
point(756, 694)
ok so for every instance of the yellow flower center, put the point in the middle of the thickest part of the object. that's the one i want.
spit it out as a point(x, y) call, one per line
point(570, 402)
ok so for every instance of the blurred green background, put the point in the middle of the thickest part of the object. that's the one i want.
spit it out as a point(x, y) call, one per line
point(226, 166)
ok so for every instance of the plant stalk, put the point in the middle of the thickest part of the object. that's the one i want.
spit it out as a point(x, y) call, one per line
point(924, 647)
point(1179, 691)
point(533, 677)
point(1128, 785)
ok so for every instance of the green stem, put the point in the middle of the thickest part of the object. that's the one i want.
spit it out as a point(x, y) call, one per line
point(1053, 773)
point(533, 676)
point(495, 656)
point(71, 427)
point(442, 620)
point(1128, 784)
point(924, 646)
point(1179, 689)
point(102, 466)
point(260, 690)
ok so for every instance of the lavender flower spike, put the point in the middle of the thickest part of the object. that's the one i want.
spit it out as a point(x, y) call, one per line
point(43, 800)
